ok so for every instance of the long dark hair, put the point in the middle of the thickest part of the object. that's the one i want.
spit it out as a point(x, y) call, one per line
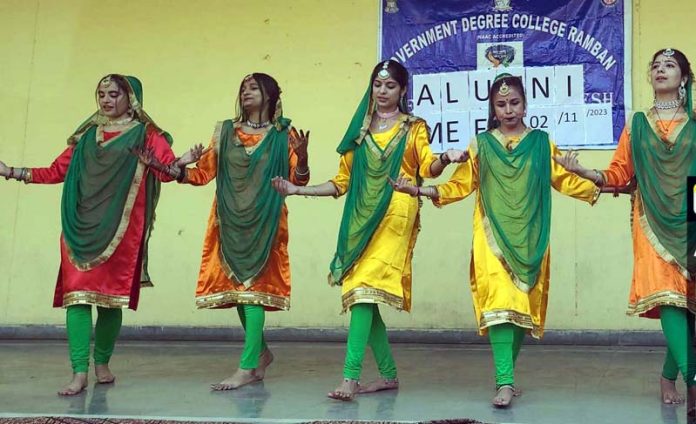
point(400, 75)
point(512, 82)
point(270, 90)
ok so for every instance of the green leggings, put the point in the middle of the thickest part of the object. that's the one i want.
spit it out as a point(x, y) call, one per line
point(506, 341)
point(678, 328)
point(79, 326)
point(252, 318)
point(367, 327)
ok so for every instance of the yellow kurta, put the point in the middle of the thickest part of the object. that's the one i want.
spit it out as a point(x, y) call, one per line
point(497, 299)
point(382, 273)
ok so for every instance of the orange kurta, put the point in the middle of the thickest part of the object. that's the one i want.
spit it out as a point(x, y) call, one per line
point(655, 281)
point(215, 289)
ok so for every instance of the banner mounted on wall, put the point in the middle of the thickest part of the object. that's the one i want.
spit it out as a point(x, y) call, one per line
point(572, 55)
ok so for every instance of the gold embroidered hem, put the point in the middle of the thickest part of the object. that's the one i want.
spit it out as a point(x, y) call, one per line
point(490, 318)
point(217, 132)
point(661, 298)
point(231, 298)
point(370, 295)
point(120, 231)
point(97, 299)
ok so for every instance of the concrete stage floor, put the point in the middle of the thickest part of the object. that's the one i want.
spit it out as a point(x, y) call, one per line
point(561, 384)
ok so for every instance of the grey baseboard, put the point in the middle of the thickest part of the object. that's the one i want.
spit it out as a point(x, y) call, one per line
point(447, 336)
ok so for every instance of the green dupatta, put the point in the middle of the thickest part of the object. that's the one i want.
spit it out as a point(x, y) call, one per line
point(661, 170)
point(248, 208)
point(369, 192)
point(101, 186)
point(515, 190)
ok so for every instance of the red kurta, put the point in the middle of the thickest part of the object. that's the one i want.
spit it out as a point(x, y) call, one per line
point(116, 282)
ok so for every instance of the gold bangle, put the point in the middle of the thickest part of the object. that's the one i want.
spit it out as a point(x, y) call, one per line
point(301, 174)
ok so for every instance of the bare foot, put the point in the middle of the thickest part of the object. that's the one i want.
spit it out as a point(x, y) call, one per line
point(504, 396)
point(76, 386)
point(239, 379)
point(104, 375)
point(345, 391)
point(670, 396)
point(265, 360)
point(379, 385)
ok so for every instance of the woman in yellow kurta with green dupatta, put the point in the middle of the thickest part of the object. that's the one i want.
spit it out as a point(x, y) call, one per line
point(657, 151)
point(512, 169)
point(378, 230)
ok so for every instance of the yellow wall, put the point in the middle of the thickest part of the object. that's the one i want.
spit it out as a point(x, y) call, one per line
point(191, 56)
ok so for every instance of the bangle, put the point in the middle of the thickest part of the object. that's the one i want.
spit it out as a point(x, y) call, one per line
point(301, 174)
point(599, 178)
point(182, 174)
point(9, 174)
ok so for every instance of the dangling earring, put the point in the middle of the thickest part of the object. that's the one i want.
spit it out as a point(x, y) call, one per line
point(682, 92)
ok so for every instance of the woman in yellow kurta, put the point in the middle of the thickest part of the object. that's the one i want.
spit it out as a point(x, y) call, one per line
point(245, 253)
point(512, 169)
point(379, 227)
point(656, 151)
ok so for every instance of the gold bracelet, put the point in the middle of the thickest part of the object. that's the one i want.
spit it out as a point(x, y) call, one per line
point(301, 174)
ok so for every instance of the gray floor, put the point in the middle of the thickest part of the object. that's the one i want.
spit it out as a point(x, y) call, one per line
point(166, 379)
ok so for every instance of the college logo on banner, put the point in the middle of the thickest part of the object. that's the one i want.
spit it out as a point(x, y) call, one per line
point(571, 54)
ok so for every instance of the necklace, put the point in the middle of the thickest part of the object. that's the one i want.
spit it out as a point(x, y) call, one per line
point(663, 129)
point(257, 125)
point(664, 105)
point(117, 122)
point(384, 116)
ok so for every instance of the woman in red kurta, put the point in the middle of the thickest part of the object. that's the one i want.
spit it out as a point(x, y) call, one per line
point(107, 213)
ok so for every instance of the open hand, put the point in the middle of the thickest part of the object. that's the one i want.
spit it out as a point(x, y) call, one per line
point(299, 144)
point(403, 185)
point(145, 155)
point(193, 155)
point(569, 161)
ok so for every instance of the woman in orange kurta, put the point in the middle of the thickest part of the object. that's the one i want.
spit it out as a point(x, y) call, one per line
point(656, 151)
point(245, 253)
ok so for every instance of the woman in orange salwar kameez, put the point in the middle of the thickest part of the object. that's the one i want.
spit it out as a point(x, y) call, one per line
point(657, 150)
point(245, 253)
